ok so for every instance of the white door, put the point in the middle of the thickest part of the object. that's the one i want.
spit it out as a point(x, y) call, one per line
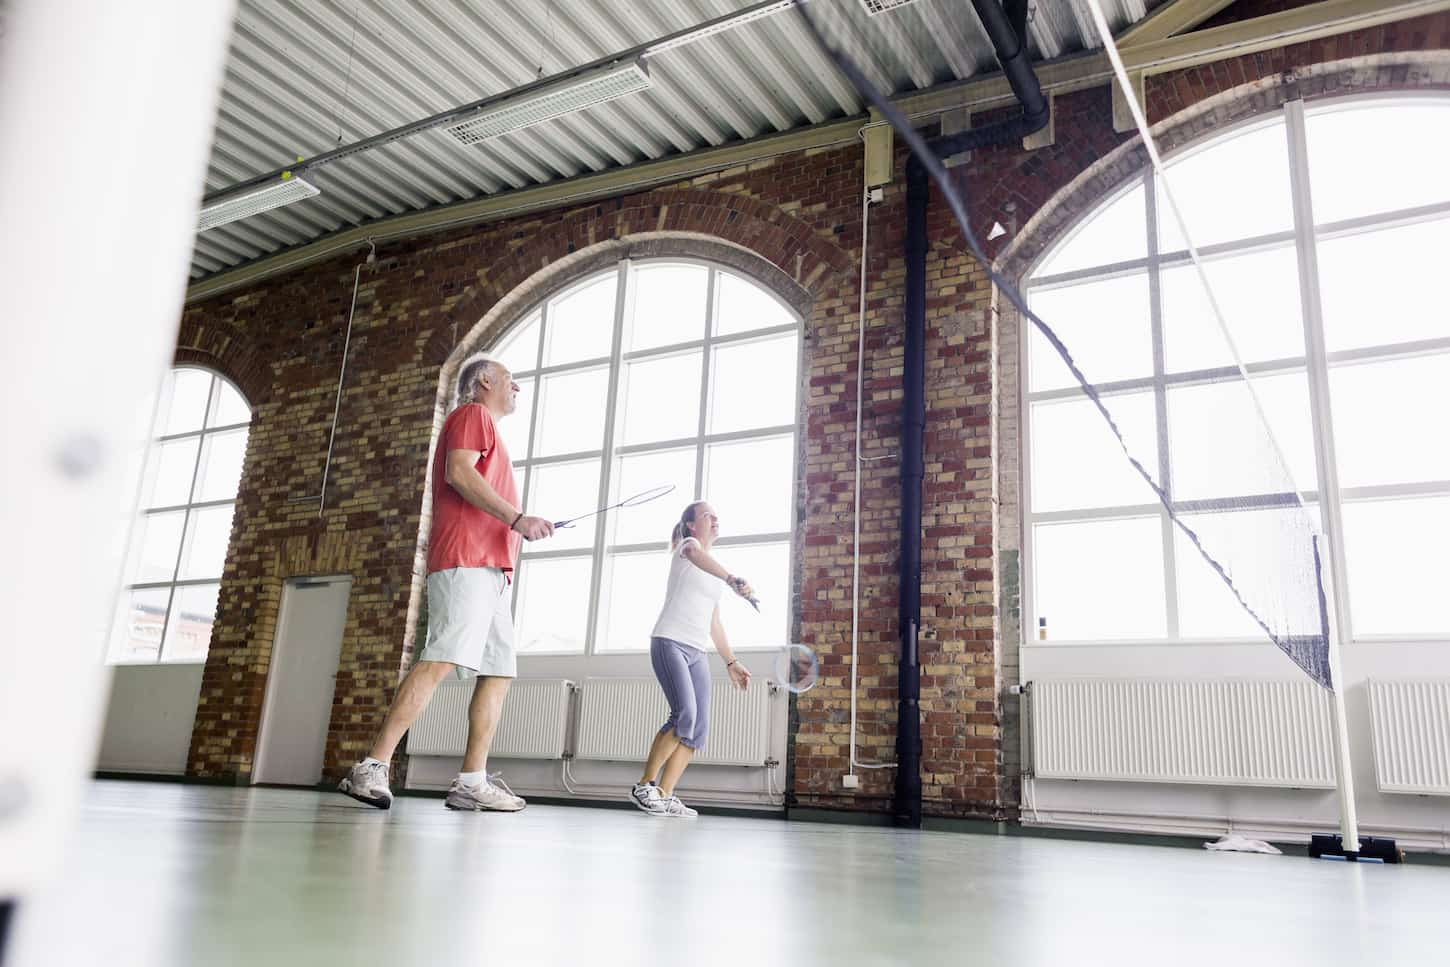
point(301, 681)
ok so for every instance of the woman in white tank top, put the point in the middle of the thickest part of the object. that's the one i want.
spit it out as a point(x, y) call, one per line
point(689, 620)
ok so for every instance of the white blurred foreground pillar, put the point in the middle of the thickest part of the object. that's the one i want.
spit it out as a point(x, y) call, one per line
point(106, 115)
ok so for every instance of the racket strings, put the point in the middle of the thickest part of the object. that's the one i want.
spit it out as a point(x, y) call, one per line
point(643, 497)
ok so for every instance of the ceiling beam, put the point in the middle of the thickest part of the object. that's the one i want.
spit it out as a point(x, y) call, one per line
point(1310, 22)
point(1171, 18)
point(1089, 69)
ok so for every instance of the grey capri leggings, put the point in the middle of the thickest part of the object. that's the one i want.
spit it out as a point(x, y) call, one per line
point(684, 674)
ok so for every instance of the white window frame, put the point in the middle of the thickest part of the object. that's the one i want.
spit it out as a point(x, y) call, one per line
point(1315, 364)
point(609, 452)
point(176, 584)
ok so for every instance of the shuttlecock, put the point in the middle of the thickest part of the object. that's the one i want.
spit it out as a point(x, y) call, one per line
point(997, 231)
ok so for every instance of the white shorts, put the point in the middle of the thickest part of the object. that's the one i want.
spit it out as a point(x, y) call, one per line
point(470, 623)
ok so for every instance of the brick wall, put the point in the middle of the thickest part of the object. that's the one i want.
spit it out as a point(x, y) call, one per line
point(794, 224)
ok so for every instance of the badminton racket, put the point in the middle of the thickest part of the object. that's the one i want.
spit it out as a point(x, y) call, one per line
point(643, 497)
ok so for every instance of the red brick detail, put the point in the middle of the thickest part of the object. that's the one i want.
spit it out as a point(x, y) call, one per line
point(227, 350)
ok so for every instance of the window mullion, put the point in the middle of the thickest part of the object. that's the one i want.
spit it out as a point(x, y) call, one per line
point(1320, 405)
point(1403, 350)
point(1380, 221)
point(196, 505)
point(205, 431)
point(1422, 488)
point(1219, 374)
point(533, 431)
point(162, 585)
point(541, 370)
point(1025, 558)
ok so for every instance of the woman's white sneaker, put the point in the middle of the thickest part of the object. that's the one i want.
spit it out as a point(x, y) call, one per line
point(646, 795)
point(673, 807)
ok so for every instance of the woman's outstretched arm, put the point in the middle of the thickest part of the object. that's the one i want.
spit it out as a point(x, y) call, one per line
point(739, 674)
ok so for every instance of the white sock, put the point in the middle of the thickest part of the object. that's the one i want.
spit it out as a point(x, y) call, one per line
point(369, 760)
point(473, 778)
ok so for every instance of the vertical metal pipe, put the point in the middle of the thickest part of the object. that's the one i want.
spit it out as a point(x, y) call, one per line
point(906, 806)
point(337, 402)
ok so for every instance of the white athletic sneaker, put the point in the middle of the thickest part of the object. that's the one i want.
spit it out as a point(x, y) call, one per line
point(647, 796)
point(673, 807)
point(493, 795)
point(368, 782)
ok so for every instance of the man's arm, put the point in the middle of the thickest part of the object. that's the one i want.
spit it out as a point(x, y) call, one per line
point(461, 473)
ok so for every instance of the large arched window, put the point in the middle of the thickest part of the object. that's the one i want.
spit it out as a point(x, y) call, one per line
point(651, 373)
point(1324, 230)
point(179, 542)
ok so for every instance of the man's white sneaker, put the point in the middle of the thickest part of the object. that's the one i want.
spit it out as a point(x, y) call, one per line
point(647, 796)
point(673, 807)
point(490, 795)
point(368, 782)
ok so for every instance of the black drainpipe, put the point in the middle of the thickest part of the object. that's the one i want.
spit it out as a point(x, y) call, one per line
point(1005, 32)
point(906, 806)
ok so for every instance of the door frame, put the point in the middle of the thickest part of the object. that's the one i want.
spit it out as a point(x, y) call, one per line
point(264, 725)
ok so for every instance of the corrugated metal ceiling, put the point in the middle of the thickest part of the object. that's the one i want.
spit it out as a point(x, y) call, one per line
point(307, 76)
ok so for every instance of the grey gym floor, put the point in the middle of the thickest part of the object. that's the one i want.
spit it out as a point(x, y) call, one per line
point(168, 874)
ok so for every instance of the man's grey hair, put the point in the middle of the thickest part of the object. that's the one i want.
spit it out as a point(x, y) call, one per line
point(468, 377)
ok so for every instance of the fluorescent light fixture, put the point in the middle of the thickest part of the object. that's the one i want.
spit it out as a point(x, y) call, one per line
point(553, 100)
point(275, 195)
point(721, 24)
point(873, 7)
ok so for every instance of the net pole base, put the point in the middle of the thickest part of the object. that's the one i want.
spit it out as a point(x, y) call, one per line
point(7, 918)
point(1379, 849)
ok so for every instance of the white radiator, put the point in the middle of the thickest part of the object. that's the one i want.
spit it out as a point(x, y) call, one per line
point(1411, 728)
point(533, 725)
point(1238, 733)
point(618, 719)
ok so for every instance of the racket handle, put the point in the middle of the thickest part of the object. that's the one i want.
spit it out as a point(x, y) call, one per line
point(735, 585)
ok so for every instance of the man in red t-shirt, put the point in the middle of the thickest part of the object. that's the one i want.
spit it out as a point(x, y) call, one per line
point(477, 529)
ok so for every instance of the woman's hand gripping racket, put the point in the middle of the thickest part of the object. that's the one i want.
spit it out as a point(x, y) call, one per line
point(742, 587)
point(643, 497)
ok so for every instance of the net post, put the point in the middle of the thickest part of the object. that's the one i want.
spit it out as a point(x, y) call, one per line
point(1331, 583)
point(1343, 764)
